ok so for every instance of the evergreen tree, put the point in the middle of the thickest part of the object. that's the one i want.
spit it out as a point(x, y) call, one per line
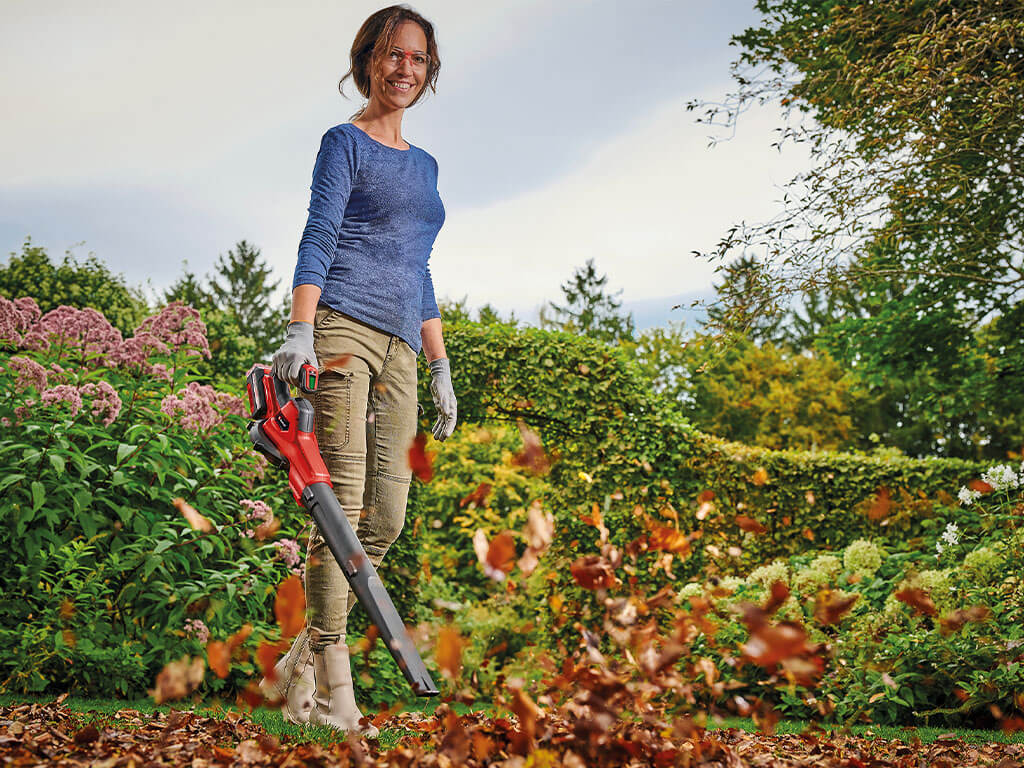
point(189, 289)
point(241, 286)
point(588, 309)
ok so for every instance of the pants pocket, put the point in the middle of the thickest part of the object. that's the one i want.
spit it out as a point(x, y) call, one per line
point(332, 404)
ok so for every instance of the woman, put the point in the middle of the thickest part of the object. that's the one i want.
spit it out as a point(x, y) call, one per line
point(363, 305)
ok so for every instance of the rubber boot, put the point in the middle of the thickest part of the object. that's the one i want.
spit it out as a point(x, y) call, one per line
point(334, 700)
point(294, 685)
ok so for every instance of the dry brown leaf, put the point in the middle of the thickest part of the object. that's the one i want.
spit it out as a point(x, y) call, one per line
point(290, 606)
point(196, 520)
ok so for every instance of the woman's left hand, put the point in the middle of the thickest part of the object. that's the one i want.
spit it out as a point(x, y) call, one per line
point(444, 398)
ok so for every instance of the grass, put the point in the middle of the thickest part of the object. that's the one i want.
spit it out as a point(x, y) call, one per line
point(274, 723)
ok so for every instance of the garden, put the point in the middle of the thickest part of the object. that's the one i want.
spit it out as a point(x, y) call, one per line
point(791, 537)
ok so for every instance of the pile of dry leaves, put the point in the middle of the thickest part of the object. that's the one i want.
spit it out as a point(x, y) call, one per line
point(583, 735)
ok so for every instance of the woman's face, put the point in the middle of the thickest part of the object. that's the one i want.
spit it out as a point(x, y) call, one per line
point(403, 68)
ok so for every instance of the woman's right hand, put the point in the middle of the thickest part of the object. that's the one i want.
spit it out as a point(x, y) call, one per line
point(296, 350)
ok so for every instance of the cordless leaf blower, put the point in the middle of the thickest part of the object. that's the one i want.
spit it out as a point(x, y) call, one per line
point(282, 430)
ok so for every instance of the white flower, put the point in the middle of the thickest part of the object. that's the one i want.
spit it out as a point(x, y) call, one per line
point(1001, 477)
point(968, 496)
point(939, 549)
point(951, 535)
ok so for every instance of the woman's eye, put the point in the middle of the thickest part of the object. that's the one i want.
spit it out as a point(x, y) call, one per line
point(419, 60)
point(396, 56)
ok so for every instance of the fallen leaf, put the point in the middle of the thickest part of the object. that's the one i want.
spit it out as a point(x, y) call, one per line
point(760, 476)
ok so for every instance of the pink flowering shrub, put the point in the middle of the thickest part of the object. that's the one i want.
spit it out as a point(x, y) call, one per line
point(104, 440)
point(16, 317)
point(28, 373)
point(200, 407)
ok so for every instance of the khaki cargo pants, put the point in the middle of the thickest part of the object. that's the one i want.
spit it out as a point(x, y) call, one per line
point(366, 419)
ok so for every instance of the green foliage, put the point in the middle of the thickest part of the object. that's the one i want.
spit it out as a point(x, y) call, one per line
point(589, 309)
point(886, 661)
point(87, 283)
point(241, 287)
point(102, 572)
point(913, 203)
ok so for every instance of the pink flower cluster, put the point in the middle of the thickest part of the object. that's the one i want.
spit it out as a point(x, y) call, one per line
point(105, 401)
point(29, 374)
point(199, 407)
point(63, 393)
point(197, 628)
point(16, 317)
point(177, 326)
point(68, 329)
point(290, 552)
point(259, 512)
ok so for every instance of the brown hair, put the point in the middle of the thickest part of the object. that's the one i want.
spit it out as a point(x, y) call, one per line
point(374, 40)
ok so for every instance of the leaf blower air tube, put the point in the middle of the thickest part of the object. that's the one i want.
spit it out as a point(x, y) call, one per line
point(282, 429)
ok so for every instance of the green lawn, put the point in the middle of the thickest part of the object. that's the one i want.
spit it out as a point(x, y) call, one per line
point(272, 721)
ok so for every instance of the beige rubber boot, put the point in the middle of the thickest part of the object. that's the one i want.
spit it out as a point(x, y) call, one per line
point(294, 685)
point(334, 700)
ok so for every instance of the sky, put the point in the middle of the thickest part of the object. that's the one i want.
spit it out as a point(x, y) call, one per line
point(155, 134)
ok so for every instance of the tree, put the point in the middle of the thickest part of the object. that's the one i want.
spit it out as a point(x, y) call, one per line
point(86, 283)
point(241, 286)
point(189, 289)
point(588, 309)
point(771, 396)
point(912, 111)
point(915, 127)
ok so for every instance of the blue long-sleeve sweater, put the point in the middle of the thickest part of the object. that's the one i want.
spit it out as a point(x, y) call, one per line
point(374, 213)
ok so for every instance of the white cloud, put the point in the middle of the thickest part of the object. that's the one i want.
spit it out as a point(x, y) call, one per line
point(639, 205)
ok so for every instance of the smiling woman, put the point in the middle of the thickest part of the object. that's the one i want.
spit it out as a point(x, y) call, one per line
point(395, 47)
point(363, 303)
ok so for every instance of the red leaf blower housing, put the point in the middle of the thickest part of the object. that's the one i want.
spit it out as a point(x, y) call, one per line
point(282, 430)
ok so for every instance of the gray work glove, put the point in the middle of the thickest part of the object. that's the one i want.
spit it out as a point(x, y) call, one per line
point(444, 399)
point(296, 350)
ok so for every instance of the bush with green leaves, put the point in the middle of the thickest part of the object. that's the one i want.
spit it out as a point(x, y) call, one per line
point(936, 629)
point(102, 437)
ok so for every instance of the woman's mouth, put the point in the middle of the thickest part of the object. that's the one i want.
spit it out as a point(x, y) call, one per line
point(400, 86)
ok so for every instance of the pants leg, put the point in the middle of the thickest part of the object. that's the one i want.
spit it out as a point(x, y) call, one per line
point(390, 431)
point(340, 404)
point(366, 420)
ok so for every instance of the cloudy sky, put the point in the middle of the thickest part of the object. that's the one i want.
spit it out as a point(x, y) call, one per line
point(153, 133)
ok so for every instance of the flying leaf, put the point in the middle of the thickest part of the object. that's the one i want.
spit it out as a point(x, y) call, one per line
point(532, 456)
point(760, 476)
point(955, 620)
point(918, 600)
point(196, 520)
point(449, 651)
point(980, 486)
point(540, 527)
point(219, 657)
point(831, 605)
point(337, 363)
point(420, 461)
point(290, 606)
point(669, 540)
point(477, 498)
point(593, 572)
point(178, 679)
point(880, 506)
point(750, 524)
